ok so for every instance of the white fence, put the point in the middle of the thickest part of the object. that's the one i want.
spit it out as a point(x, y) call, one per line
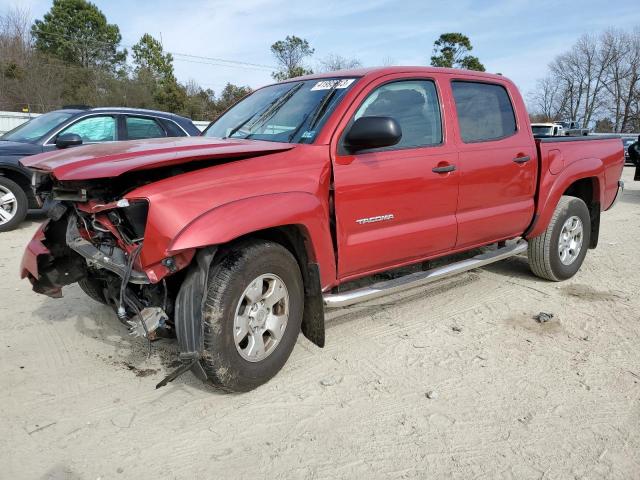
point(10, 120)
point(201, 125)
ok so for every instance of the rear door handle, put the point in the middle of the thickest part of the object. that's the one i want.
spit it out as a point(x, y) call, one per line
point(444, 169)
point(522, 159)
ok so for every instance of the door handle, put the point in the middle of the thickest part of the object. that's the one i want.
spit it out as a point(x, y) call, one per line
point(524, 159)
point(444, 169)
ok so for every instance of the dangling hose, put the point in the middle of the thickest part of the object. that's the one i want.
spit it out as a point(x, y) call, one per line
point(122, 312)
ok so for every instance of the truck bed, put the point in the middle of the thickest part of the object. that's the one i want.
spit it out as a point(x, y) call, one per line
point(562, 159)
point(584, 138)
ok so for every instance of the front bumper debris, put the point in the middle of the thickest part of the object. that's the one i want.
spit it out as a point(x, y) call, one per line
point(35, 254)
point(48, 263)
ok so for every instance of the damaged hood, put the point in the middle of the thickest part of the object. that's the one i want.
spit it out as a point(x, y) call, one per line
point(109, 160)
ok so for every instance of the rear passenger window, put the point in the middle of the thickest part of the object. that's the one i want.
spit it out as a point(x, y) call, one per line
point(138, 127)
point(414, 105)
point(484, 111)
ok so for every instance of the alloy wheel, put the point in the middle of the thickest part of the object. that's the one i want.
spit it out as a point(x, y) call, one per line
point(261, 317)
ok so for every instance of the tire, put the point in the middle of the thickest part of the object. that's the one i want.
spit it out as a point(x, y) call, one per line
point(238, 366)
point(93, 289)
point(15, 210)
point(544, 252)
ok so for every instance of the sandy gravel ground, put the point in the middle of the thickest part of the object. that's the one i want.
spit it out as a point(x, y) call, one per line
point(511, 398)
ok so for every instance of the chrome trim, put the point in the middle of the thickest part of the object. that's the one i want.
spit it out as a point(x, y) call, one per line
point(619, 194)
point(378, 218)
point(334, 300)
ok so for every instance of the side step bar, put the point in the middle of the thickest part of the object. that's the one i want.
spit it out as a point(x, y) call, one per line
point(334, 300)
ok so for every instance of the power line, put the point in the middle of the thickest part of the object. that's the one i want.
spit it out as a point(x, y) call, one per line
point(233, 62)
point(216, 61)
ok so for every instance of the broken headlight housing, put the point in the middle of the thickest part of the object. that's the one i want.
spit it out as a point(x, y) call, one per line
point(131, 220)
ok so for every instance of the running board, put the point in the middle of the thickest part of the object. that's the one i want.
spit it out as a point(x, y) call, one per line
point(334, 300)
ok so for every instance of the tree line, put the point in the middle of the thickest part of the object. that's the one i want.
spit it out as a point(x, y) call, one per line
point(74, 56)
point(596, 82)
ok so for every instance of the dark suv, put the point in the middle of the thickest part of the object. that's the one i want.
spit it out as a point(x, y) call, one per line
point(66, 128)
point(627, 142)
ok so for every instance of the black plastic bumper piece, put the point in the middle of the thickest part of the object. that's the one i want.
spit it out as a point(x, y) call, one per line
point(313, 318)
point(189, 309)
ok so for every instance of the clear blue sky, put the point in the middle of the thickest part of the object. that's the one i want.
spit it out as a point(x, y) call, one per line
point(517, 38)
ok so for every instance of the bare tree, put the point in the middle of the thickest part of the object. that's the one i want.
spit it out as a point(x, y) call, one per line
point(388, 61)
point(334, 62)
point(27, 79)
point(599, 77)
point(548, 99)
point(581, 74)
point(624, 78)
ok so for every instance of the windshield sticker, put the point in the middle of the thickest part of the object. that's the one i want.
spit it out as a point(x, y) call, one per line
point(308, 134)
point(329, 84)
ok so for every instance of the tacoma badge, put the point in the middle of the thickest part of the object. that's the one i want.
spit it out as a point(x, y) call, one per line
point(379, 218)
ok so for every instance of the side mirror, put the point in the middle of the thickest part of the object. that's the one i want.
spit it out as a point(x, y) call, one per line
point(372, 132)
point(68, 140)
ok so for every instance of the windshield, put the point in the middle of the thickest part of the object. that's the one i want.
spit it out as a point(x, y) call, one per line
point(37, 127)
point(290, 112)
point(542, 130)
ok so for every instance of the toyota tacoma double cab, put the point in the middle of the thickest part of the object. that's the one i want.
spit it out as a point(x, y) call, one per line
point(237, 241)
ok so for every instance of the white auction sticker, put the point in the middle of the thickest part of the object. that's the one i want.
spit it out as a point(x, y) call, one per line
point(329, 84)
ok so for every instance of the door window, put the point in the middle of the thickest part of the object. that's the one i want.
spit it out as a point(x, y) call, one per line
point(172, 129)
point(94, 129)
point(139, 127)
point(484, 111)
point(414, 105)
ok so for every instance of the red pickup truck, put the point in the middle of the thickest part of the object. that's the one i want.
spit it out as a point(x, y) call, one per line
point(236, 241)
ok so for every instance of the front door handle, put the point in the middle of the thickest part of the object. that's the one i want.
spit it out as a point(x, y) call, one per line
point(444, 169)
point(524, 159)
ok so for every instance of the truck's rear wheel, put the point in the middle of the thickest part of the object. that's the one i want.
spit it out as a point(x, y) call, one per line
point(252, 315)
point(13, 204)
point(559, 251)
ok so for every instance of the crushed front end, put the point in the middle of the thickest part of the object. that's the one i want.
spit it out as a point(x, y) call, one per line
point(95, 237)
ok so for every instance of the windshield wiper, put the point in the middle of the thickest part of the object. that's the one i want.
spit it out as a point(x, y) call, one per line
point(266, 115)
point(317, 112)
point(239, 126)
point(322, 107)
point(272, 106)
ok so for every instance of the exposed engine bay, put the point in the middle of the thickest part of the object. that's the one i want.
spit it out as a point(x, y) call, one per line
point(97, 242)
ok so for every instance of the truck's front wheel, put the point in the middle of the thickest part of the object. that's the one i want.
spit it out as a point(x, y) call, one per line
point(94, 289)
point(559, 251)
point(252, 317)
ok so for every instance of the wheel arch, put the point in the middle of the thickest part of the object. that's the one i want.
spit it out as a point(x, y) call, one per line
point(583, 179)
point(18, 176)
point(296, 220)
point(296, 239)
point(588, 190)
